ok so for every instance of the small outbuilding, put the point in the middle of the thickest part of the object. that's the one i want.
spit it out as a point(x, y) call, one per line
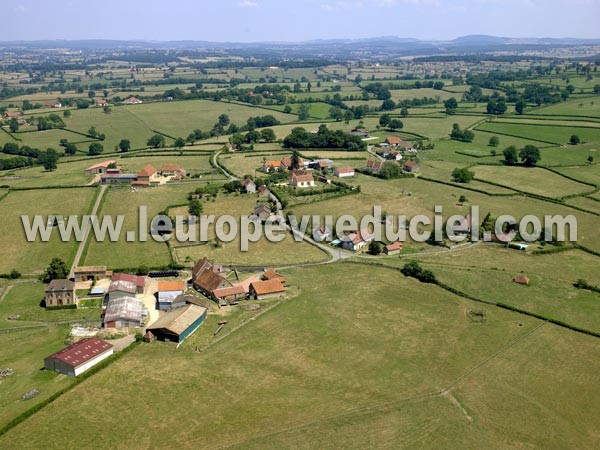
point(260, 290)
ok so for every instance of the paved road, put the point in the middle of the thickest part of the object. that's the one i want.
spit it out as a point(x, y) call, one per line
point(86, 232)
point(370, 150)
point(218, 166)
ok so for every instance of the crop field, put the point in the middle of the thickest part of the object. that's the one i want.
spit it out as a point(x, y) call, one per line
point(299, 370)
point(124, 201)
point(531, 179)
point(30, 257)
point(262, 252)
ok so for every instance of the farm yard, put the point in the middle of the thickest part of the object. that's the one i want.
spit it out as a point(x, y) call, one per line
point(355, 343)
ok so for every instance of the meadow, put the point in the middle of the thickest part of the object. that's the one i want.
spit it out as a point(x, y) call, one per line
point(310, 362)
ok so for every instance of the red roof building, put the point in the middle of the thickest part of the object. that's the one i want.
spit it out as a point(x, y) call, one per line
point(79, 357)
point(137, 280)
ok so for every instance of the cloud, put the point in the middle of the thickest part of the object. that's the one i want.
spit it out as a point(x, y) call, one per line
point(247, 4)
point(22, 9)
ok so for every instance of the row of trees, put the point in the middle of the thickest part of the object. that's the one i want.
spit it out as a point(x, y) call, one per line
point(324, 138)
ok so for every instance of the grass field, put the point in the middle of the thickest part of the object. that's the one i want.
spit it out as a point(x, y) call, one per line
point(588, 107)
point(124, 201)
point(311, 363)
point(262, 252)
point(531, 179)
point(543, 133)
point(30, 257)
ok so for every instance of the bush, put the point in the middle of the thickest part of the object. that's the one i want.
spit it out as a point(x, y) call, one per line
point(414, 270)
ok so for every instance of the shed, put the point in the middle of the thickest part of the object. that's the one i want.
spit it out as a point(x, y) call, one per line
point(78, 357)
point(178, 324)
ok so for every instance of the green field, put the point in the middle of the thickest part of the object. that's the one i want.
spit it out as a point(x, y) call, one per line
point(543, 133)
point(28, 257)
point(311, 363)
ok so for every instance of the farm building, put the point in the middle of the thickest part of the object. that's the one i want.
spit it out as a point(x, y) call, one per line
point(121, 289)
point(410, 166)
point(206, 277)
point(60, 293)
point(179, 323)
point(397, 142)
point(167, 292)
point(343, 172)
point(53, 104)
point(286, 162)
point(374, 166)
point(124, 312)
point(138, 280)
point(302, 179)
point(190, 299)
point(320, 164)
point(272, 274)
point(118, 178)
point(99, 168)
point(147, 176)
point(357, 240)
point(522, 279)
point(132, 101)
point(261, 213)
point(78, 357)
point(249, 185)
point(271, 166)
point(260, 290)
point(172, 170)
point(228, 295)
point(91, 273)
point(263, 191)
point(322, 233)
point(393, 249)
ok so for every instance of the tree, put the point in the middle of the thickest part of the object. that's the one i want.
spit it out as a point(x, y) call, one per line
point(295, 161)
point(195, 207)
point(451, 104)
point(404, 112)
point(49, 159)
point(57, 270)
point(179, 143)
point(510, 155)
point(590, 159)
point(124, 145)
point(91, 94)
point(13, 124)
point(268, 135)
point(388, 104)
point(375, 248)
point(70, 148)
point(494, 141)
point(223, 120)
point(395, 124)
point(303, 112)
point(156, 141)
point(462, 175)
point(574, 140)
point(66, 113)
point(530, 155)
point(92, 131)
point(336, 113)
point(384, 120)
point(462, 199)
point(95, 148)
point(520, 107)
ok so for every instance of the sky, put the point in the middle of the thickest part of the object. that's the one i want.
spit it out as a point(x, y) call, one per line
point(294, 20)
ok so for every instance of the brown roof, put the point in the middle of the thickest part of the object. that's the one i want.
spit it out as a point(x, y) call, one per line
point(302, 176)
point(209, 280)
point(272, 164)
point(410, 164)
point(394, 246)
point(170, 168)
point(201, 264)
point(171, 286)
point(268, 286)
point(82, 351)
point(247, 181)
point(177, 320)
point(11, 114)
point(287, 161)
point(138, 280)
point(147, 171)
point(60, 285)
point(271, 274)
point(192, 299)
point(345, 170)
point(227, 291)
point(374, 164)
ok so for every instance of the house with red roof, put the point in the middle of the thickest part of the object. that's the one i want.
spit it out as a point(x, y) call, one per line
point(78, 357)
point(343, 172)
point(393, 249)
point(146, 177)
point(99, 168)
point(302, 179)
point(132, 101)
point(357, 240)
point(271, 166)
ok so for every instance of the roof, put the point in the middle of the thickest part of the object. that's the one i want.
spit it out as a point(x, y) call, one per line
point(394, 246)
point(302, 176)
point(193, 299)
point(60, 285)
point(272, 164)
point(410, 164)
point(360, 236)
point(138, 280)
point(209, 280)
point(165, 286)
point(132, 100)
point(123, 286)
point(202, 264)
point(97, 291)
point(287, 161)
point(272, 273)
point(227, 291)
point(247, 182)
point(177, 320)
point(140, 183)
point(103, 165)
point(126, 308)
point(147, 171)
point(262, 208)
point(345, 170)
point(268, 286)
point(374, 164)
point(80, 269)
point(81, 352)
point(170, 168)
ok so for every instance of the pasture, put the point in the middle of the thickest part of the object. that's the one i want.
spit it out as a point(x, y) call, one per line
point(312, 365)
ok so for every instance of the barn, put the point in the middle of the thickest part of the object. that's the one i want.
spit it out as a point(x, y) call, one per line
point(79, 357)
point(179, 323)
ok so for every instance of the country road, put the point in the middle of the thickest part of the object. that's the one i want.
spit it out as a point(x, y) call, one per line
point(86, 232)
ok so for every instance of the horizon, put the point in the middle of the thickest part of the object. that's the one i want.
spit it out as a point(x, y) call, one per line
point(259, 21)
